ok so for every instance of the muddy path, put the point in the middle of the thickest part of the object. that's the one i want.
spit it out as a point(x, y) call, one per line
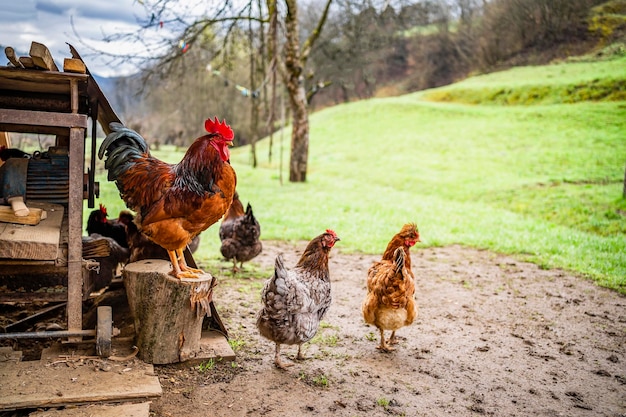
point(494, 336)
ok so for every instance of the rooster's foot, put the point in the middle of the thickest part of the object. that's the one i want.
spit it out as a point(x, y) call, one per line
point(186, 268)
point(185, 274)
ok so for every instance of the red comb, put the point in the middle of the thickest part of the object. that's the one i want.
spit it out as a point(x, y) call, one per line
point(331, 232)
point(103, 209)
point(221, 128)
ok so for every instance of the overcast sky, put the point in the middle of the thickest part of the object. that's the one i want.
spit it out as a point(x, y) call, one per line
point(78, 22)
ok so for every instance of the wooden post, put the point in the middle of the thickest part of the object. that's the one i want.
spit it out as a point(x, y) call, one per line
point(168, 312)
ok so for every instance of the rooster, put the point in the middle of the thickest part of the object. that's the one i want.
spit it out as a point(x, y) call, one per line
point(295, 300)
point(239, 234)
point(389, 303)
point(141, 247)
point(174, 202)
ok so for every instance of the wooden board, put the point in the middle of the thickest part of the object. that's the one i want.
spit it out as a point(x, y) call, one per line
point(40, 242)
point(7, 215)
point(42, 57)
point(213, 345)
point(7, 354)
point(74, 65)
point(35, 384)
point(112, 410)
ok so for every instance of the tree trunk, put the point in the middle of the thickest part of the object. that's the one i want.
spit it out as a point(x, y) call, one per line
point(297, 97)
point(168, 313)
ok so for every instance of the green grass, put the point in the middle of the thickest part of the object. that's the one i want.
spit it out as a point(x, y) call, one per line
point(543, 182)
point(570, 82)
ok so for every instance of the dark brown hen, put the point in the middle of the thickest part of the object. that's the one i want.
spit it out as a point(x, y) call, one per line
point(239, 233)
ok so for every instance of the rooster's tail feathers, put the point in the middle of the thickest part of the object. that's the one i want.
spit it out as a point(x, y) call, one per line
point(130, 138)
point(121, 146)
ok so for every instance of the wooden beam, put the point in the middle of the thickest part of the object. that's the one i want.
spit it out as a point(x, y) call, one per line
point(10, 53)
point(74, 65)
point(42, 57)
point(27, 62)
point(39, 118)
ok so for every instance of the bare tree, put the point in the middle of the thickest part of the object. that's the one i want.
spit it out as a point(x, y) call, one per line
point(183, 31)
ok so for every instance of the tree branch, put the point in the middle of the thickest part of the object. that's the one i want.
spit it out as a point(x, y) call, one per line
point(308, 44)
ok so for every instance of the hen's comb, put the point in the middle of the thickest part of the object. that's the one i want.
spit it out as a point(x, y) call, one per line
point(331, 232)
point(221, 128)
point(103, 209)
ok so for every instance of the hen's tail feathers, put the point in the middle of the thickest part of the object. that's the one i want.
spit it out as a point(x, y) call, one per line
point(122, 146)
point(279, 275)
point(398, 258)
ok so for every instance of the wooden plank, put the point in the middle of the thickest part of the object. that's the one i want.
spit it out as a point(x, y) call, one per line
point(10, 53)
point(213, 345)
point(34, 217)
point(40, 242)
point(42, 57)
point(74, 65)
point(106, 114)
point(111, 410)
point(39, 118)
point(7, 354)
point(34, 384)
point(27, 62)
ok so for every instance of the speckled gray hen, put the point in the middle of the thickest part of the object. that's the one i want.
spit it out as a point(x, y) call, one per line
point(295, 300)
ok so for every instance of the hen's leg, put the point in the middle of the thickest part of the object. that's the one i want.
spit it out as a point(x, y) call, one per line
point(277, 361)
point(383, 345)
point(392, 340)
point(300, 356)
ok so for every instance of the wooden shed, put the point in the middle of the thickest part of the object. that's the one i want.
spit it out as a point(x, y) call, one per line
point(36, 97)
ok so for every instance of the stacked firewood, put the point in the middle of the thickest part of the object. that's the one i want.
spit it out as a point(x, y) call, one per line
point(41, 58)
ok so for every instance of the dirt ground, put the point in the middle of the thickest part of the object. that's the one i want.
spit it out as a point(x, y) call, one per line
point(494, 336)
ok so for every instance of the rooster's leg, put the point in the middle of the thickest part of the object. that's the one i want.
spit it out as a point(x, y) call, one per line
point(383, 345)
point(277, 361)
point(182, 264)
point(178, 269)
point(175, 269)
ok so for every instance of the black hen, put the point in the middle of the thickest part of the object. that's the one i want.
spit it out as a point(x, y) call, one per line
point(98, 223)
point(240, 233)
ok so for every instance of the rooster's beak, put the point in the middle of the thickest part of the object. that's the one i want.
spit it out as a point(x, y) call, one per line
point(229, 143)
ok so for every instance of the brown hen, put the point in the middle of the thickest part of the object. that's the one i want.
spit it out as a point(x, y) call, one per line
point(389, 303)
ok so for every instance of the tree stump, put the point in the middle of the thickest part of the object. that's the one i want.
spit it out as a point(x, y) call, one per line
point(167, 312)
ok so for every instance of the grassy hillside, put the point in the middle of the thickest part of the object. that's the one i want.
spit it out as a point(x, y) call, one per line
point(570, 82)
point(543, 182)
